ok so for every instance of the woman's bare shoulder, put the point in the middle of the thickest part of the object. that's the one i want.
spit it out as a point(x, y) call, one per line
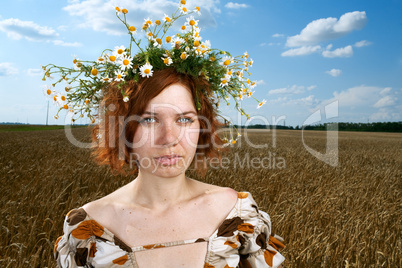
point(105, 207)
point(223, 199)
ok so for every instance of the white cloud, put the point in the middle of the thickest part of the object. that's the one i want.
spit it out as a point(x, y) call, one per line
point(328, 28)
point(305, 101)
point(311, 87)
point(301, 51)
point(34, 72)
point(235, 5)
point(367, 102)
point(101, 16)
point(334, 72)
point(260, 82)
point(385, 91)
point(17, 29)
point(295, 89)
point(362, 43)
point(7, 68)
point(385, 101)
point(278, 35)
point(65, 44)
point(344, 52)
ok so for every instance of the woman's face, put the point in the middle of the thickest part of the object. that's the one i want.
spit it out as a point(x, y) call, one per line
point(166, 139)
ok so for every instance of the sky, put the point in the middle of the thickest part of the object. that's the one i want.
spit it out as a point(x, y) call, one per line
point(340, 60)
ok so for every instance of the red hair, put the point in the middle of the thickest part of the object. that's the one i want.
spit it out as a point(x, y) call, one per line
point(113, 132)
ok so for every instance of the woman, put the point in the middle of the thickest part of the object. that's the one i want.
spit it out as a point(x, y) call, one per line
point(164, 123)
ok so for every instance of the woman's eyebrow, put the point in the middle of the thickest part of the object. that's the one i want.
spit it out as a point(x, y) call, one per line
point(187, 112)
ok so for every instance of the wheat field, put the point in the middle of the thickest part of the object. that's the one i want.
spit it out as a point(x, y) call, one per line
point(344, 216)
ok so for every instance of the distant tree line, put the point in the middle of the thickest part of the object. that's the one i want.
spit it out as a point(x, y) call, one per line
point(342, 126)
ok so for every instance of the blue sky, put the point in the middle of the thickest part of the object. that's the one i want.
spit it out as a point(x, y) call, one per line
point(307, 54)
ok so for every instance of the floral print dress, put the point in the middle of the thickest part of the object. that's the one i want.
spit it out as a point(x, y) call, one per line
point(242, 240)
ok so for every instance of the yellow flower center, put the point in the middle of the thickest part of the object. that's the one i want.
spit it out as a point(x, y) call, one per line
point(183, 2)
point(94, 71)
point(55, 98)
point(119, 76)
point(126, 62)
point(230, 73)
point(184, 9)
point(212, 58)
point(132, 29)
point(100, 59)
point(197, 34)
point(48, 92)
point(224, 81)
point(145, 26)
point(112, 58)
point(183, 56)
point(233, 142)
point(196, 43)
point(226, 62)
point(158, 22)
point(183, 27)
point(125, 11)
point(192, 22)
point(120, 51)
point(117, 9)
point(150, 34)
point(86, 101)
point(248, 81)
point(65, 106)
point(253, 83)
point(168, 39)
point(167, 19)
point(74, 61)
point(63, 98)
point(198, 8)
point(147, 71)
point(166, 61)
point(260, 104)
point(159, 41)
point(149, 22)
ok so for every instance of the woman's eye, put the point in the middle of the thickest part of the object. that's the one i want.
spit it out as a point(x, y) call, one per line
point(186, 120)
point(148, 120)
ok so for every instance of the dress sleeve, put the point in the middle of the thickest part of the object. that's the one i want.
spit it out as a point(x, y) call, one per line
point(259, 248)
point(77, 245)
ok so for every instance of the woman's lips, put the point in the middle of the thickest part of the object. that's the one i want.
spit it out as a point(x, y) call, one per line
point(168, 160)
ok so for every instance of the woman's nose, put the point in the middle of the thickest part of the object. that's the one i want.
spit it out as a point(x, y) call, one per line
point(168, 134)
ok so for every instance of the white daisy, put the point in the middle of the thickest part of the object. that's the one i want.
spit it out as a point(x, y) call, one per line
point(126, 62)
point(167, 61)
point(48, 91)
point(167, 18)
point(177, 41)
point(119, 51)
point(148, 21)
point(192, 22)
point(197, 10)
point(146, 70)
point(119, 76)
point(101, 60)
point(224, 82)
point(126, 99)
point(226, 61)
point(106, 79)
point(261, 104)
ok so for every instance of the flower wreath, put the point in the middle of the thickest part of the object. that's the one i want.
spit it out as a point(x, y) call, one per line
point(188, 54)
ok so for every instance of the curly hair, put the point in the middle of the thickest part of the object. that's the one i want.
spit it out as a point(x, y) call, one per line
point(115, 127)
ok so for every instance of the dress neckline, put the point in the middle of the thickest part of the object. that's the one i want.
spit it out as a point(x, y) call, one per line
point(171, 243)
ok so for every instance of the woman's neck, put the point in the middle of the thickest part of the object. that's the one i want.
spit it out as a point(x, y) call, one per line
point(156, 192)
